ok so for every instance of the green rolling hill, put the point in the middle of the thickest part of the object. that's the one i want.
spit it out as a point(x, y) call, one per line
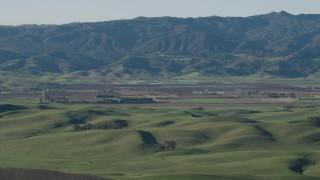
point(212, 143)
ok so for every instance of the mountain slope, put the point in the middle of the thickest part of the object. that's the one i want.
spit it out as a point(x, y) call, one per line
point(278, 44)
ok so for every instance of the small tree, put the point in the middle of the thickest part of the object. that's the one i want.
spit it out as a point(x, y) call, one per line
point(166, 146)
point(160, 147)
point(76, 127)
point(170, 145)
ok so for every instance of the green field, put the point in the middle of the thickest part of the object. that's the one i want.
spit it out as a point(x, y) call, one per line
point(213, 143)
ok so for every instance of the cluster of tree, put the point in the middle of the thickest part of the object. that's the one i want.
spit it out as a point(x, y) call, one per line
point(115, 99)
point(136, 100)
point(281, 95)
point(55, 99)
point(289, 106)
point(116, 124)
point(166, 146)
point(315, 118)
point(108, 99)
point(105, 96)
point(84, 127)
point(250, 93)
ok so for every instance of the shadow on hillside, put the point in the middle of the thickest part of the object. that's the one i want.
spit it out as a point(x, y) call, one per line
point(32, 174)
point(10, 107)
point(147, 138)
point(298, 165)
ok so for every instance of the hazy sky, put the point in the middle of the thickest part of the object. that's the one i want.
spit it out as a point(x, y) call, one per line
point(14, 12)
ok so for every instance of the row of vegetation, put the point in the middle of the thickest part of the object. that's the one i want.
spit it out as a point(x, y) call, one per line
point(117, 99)
point(108, 99)
point(116, 124)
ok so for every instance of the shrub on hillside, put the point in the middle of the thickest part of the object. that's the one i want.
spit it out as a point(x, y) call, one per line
point(166, 146)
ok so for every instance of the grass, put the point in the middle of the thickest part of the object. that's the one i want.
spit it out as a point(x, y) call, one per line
point(225, 143)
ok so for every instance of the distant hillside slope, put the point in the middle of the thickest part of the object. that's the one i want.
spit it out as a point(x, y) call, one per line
point(278, 44)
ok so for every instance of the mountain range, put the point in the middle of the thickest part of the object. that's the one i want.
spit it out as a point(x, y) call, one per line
point(275, 44)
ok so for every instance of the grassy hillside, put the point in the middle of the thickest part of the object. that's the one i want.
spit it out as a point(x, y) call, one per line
point(213, 143)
